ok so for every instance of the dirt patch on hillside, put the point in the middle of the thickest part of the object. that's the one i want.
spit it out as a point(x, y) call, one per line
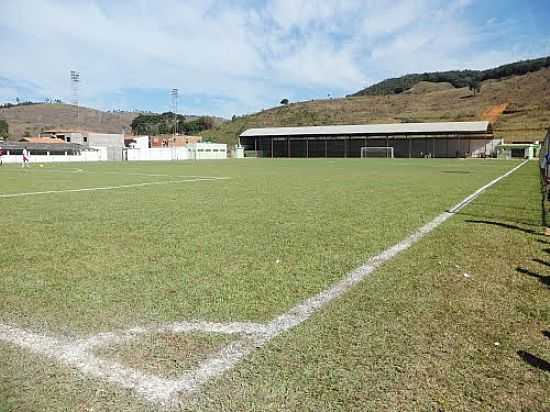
point(494, 112)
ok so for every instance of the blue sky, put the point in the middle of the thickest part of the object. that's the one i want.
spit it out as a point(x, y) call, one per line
point(236, 57)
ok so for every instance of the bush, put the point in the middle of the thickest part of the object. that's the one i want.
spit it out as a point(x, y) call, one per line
point(4, 129)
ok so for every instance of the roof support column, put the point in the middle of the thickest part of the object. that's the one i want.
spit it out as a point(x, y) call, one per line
point(410, 147)
point(272, 138)
point(326, 147)
point(307, 148)
point(288, 146)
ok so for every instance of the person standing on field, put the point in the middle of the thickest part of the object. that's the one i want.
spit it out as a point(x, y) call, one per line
point(1, 154)
point(26, 158)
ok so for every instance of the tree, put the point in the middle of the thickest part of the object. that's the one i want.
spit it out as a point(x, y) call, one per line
point(4, 129)
point(284, 101)
point(475, 86)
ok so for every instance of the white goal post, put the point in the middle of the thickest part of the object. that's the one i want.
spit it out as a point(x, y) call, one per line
point(385, 152)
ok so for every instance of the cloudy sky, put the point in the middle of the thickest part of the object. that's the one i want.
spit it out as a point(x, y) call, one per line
point(234, 57)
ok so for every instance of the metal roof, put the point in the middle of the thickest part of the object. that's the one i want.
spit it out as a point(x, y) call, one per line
point(375, 129)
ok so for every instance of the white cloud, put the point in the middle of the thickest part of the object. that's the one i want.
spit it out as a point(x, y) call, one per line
point(232, 57)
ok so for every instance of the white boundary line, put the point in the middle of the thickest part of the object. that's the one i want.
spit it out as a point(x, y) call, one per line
point(92, 189)
point(74, 170)
point(78, 354)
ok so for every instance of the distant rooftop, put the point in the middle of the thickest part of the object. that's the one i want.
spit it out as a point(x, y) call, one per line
point(375, 129)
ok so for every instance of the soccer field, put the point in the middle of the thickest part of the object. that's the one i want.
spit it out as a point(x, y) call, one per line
point(244, 248)
point(97, 248)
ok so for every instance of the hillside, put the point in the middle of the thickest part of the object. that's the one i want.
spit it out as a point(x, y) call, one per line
point(457, 78)
point(519, 106)
point(37, 117)
point(34, 118)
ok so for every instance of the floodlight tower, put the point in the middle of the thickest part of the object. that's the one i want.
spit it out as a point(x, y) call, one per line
point(75, 84)
point(174, 94)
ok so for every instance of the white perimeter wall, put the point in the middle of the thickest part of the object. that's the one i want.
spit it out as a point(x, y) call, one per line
point(157, 153)
point(207, 151)
point(85, 156)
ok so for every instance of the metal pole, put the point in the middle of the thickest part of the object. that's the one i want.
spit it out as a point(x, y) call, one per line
point(288, 148)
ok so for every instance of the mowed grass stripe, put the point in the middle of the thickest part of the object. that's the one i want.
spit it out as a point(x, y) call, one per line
point(246, 250)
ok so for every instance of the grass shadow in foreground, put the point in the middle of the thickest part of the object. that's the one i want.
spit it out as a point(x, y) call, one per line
point(534, 361)
point(504, 225)
point(545, 280)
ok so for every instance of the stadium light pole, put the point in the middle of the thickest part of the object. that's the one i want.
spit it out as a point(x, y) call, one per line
point(174, 94)
point(75, 81)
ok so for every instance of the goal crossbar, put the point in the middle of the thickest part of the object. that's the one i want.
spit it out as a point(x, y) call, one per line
point(384, 152)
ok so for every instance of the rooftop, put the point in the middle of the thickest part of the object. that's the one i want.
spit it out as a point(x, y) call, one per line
point(376, 129)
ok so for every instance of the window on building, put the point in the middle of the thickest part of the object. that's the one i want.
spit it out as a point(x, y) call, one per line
point(85, 139)
point(68, 139)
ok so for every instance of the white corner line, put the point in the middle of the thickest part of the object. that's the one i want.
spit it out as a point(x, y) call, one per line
point(227, 359)
point(93, 189)
point(78, 354)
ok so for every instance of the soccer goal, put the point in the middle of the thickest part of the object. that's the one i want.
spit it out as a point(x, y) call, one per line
point(367, 152)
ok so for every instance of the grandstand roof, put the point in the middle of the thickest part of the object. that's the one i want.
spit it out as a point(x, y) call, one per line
point(375, 129)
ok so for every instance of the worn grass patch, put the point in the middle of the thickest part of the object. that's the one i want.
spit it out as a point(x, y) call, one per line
point(166, 355)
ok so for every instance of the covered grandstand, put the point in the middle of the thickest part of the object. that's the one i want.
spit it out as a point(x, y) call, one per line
point(443, 139)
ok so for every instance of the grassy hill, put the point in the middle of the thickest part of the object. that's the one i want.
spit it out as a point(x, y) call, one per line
point(34, 118)
point(457, 78)
point(37, 117)
point(518, 105)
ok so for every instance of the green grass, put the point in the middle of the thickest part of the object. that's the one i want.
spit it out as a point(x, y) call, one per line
point(247, 248)
point(416, 335)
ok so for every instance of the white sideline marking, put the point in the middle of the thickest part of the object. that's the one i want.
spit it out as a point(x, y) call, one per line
point(165, 391)
point(73, 170)
point(92, 189)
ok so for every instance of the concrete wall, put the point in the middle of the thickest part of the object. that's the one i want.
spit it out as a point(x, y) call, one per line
point(157, 153)
point(84, 156)
point(205, 151)
point(141, 142)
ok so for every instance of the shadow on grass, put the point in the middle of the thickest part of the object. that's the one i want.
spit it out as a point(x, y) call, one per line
point(504, 225)
point(545, 280)
point(546, 333)
point(493, 219)
point(534, 361)
point(542, 262)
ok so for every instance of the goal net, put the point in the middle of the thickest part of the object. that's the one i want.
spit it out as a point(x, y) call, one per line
point(386, 152)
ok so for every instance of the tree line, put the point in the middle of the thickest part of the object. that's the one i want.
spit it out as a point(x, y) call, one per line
point(458, 78)
point(165, 123)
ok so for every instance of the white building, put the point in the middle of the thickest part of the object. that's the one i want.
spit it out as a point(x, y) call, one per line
point(204, 151)
point(112, 142)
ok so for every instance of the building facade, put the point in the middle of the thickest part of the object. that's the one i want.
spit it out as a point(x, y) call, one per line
point(445, 139)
